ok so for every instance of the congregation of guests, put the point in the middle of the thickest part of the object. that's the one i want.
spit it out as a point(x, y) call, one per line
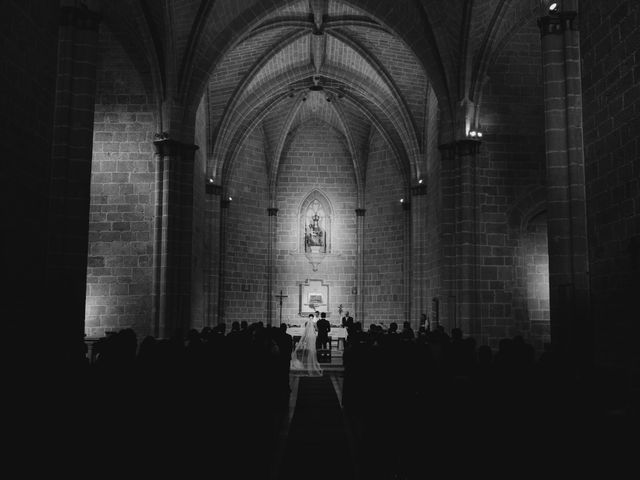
point(439, 400)
point(215, 393)
point(422, 397)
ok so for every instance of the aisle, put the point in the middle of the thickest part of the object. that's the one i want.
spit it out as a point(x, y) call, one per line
point(317, 446)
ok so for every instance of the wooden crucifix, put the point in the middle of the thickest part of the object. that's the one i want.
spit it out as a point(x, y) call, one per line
point(281, 297)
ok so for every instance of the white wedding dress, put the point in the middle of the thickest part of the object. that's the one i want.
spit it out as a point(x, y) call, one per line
point(304, 360)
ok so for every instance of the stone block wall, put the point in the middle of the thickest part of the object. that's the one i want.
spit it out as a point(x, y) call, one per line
point(245, 231)
point(119, 273)
point(531, 285)
point(384, 237)
point(201, 237)
point(610, 39)
point(432, 215)
point(510, 165)
point(316, 158)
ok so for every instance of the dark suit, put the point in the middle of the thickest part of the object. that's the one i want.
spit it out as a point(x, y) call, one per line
point(347, 321)
point(323, 332)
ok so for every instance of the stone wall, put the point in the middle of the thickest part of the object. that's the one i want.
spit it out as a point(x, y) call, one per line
point(531, 286)
point(510, 166)
point(201, 237)
point(432, 215)
point(610, 38)
point(245, 231)
point(316, 158)
point(384, 237)
point(119, 274)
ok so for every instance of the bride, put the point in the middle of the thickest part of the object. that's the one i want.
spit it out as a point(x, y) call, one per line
point(303, 358)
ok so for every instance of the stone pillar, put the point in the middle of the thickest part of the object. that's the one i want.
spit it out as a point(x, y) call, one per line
point(273, 225)
point(225, 202)
point(448, 298)
point(407, 260)
point(70, 183)
point(459, 231)
point(419, 303)
point(173, 236)
point(359, 315)
point(466, 227)
point(212, 249)
point(571, 328)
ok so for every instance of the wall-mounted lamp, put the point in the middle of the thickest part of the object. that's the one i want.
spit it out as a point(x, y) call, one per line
point(420, 182)
point(474, 134)
point(553, 7)
point(402, 200)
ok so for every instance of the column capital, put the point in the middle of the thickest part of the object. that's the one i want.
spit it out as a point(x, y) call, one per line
point(458, 148)
point(419, 190)
point(166, 147)
point(79, 17)
point(558, 24)
point(212, 188)
point(360, 212)
point(273, 212)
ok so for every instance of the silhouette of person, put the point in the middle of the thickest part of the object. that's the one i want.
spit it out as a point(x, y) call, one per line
point(324, 327)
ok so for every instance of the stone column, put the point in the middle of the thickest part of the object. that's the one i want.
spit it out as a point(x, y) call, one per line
point(224, 213)
point(359, 315)
point(466, 227)
point(459, 230)
point(273, 225)
point(448, 298)
point(212, 248)
point(173, 236)
point(571, 328)
point(67, 236)
point(407, 260)
point(419, 302)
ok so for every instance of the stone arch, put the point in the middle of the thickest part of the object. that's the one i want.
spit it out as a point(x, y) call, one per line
point(315, 196)
point(526, 207)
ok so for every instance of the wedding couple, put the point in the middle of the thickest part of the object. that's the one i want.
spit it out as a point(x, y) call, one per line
point(304, 359)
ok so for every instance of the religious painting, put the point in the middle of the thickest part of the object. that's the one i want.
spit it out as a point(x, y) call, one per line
point(315, 224)
point(314, 296)
point(314, 231)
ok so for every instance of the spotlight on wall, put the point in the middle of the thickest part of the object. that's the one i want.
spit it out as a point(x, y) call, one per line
point(402, 200)
point(553, 7)
point(229, 198)
point(420, 182)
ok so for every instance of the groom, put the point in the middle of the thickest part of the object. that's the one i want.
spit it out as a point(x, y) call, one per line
point(323, 326)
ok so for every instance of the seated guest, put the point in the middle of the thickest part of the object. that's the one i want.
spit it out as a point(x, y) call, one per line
point(407, 331)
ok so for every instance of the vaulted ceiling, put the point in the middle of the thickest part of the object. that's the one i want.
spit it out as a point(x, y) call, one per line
point(356, 65)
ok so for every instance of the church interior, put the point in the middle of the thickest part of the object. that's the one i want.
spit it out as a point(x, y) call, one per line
point(467, 172)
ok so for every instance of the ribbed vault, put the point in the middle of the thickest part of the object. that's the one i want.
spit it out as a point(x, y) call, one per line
point(320, 60)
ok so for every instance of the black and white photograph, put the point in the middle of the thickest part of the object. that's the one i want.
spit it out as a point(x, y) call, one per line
point(320, 239)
